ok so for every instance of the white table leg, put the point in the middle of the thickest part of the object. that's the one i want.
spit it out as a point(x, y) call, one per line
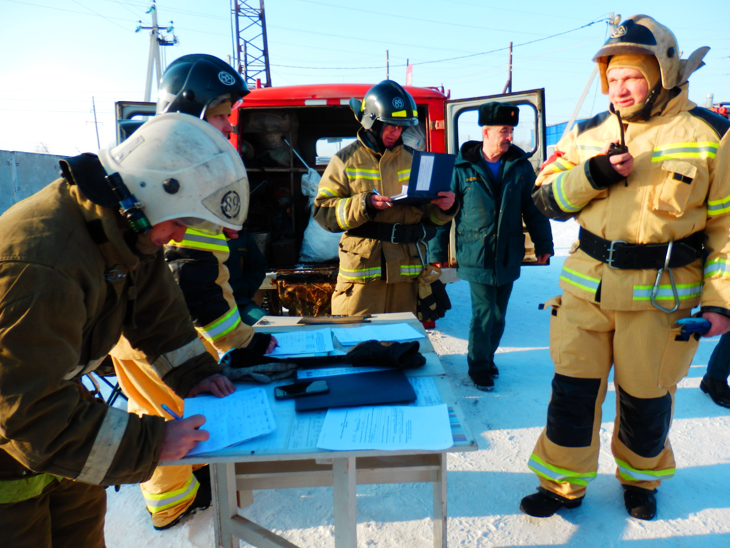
point(439, 505)
point(344, 487)
point(225, 504)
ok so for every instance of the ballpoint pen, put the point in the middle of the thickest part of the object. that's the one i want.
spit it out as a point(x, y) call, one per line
point(170, 412)
point(375, 191)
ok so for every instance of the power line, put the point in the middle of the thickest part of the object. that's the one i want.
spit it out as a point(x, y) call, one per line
point(451, 58)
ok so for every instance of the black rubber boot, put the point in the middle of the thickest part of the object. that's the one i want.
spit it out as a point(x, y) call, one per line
point(544, 503)
point(482, 380)
point(718, 390)
point(640, 503)
point(493, 369)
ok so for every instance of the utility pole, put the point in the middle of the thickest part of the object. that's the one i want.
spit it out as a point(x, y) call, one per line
point(251, 50)
point(156, 40)
point(508, 85)
point(95, 122)
point(613, 21)
point(387, 65)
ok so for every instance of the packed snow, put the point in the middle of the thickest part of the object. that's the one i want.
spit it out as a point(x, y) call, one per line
point(485, 486)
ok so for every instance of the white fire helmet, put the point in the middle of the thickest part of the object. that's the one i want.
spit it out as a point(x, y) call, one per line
point(641, 34)
point(180, 167)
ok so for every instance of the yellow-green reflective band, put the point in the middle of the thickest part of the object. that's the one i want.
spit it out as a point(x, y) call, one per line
point(685, 150)
point(410, 269)
point(592, 147)
point(632, 474)
point(222, 326)
point(157, 502)
point(341, 213)
point(433, 217)
point(559, 165)
point(580, 280)
point(327, 193)
point(717, 266)
point(718, 207)
point(665, 292)
point(404, 175)
point(559, 475)
point(360, 274)
point(18, 490)
point(198, 240)
point(360, 173)
point(560, 198)
point(399, 114)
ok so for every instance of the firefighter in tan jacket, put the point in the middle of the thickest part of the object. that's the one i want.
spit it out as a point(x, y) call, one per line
point(648, 214)
point(382, 250)
point(206, 87)
point(75, 274)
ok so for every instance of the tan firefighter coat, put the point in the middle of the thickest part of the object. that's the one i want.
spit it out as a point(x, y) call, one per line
point(679, 185)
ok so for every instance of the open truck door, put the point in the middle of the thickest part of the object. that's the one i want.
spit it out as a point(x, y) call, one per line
point(461, 116)
point(130, 115)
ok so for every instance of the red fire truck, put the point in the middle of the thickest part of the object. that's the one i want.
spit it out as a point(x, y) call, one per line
point(285, 133)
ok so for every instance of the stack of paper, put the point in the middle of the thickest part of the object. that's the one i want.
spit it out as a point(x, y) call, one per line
point(243, 415)
point(385, 332)
point(389, 428)
point(303, 343)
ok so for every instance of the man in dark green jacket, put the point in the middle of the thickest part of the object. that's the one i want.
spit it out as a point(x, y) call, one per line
point(493, 180)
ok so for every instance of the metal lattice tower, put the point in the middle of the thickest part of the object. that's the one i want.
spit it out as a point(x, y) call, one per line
point(251, 55)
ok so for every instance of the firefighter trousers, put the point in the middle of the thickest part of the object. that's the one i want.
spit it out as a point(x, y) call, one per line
point(376, 297)
point(488, 311)
point(171, 489)
point(67, 514)
point(648, 360)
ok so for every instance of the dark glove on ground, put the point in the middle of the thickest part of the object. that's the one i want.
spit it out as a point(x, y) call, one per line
point(398, 355)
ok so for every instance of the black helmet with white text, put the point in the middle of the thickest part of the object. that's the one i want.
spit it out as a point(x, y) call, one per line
point(192, 82)
point(386, 102)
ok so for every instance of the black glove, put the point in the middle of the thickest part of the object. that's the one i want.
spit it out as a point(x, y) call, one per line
point(253, 354)
point(601, 172)
point(398, 355)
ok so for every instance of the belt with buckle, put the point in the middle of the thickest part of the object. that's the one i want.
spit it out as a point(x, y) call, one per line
point(625, 256)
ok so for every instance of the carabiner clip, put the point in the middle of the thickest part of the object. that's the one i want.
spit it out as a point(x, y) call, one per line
point(655, 289)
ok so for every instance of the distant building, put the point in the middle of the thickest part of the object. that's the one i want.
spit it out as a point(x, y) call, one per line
point(554, 133)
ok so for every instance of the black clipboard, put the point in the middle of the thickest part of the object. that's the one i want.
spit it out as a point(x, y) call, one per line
point(431, 173)
point(373, 388)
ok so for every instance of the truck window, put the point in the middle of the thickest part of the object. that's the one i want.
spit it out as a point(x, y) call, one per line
point(467, 128)
point(327, 147)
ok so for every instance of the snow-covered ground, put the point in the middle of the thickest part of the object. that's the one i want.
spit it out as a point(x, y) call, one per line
point(485, 487)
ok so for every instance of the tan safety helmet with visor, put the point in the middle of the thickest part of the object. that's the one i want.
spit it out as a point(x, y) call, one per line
point(641, 34)
point(180, 167)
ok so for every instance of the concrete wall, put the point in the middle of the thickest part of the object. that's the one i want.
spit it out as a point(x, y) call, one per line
point(23, 174)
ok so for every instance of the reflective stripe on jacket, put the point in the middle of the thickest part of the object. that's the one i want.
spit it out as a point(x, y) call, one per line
point(198, 266)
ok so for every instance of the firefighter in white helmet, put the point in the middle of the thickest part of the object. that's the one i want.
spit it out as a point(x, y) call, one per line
point(208, 88)
point(650, 189)
point(81, 264)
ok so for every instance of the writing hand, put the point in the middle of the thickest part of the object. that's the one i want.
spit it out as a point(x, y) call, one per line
point(181, 437)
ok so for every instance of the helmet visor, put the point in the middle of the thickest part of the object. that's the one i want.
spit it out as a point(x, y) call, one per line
point(201, 225)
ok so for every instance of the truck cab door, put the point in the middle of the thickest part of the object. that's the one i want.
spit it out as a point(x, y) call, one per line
point(130, 115)
point(461, 125)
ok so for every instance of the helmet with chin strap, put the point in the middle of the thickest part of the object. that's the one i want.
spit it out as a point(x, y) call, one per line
point(192, 82)
point(386, 102)
point(643, 35)
point(176, 166)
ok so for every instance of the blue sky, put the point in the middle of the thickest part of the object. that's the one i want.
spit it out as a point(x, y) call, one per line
point(58, 55)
